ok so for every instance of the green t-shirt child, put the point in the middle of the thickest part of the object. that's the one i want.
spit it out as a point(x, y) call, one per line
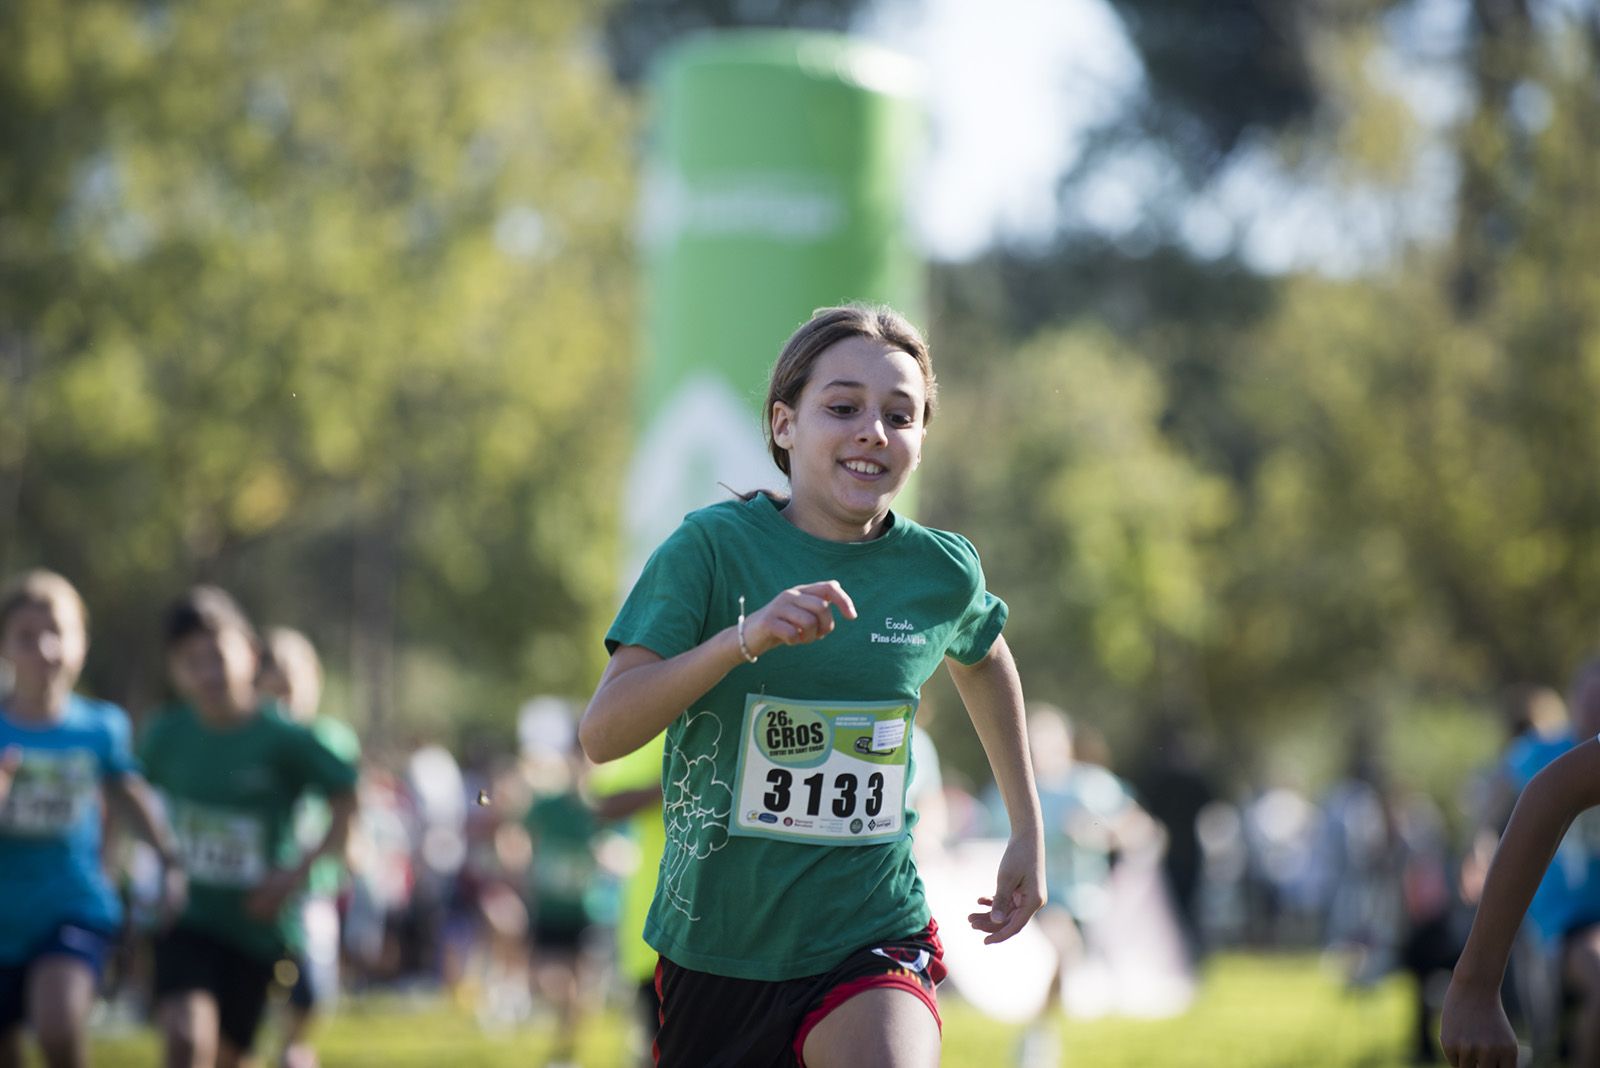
point(563, 876)
point(231, 797)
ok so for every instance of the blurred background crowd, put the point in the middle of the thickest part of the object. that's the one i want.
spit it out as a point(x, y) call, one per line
point(509, 875)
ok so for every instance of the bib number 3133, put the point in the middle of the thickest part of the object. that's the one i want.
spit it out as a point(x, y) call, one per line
point(826, 772)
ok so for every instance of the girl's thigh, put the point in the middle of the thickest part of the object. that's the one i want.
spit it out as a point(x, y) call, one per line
point(881, 1027)
point(61, 993)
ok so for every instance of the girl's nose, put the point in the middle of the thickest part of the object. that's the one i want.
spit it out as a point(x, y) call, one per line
point(872, 431)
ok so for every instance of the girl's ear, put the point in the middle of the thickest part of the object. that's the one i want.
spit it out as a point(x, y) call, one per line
point(782, 425)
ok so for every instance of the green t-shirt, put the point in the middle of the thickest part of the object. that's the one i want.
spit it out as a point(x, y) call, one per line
point(564, 871)
point(230, 795)
point(788, 841)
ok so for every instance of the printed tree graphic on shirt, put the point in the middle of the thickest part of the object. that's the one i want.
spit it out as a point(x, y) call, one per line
point(695, 807)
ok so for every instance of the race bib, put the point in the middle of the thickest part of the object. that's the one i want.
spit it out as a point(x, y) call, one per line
point(219, 847)
point(825, 772)
point(50, 793)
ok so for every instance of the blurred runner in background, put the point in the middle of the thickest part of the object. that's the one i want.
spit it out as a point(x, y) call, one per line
point(630, 790)
point(568, 898)
point(60, 754)
point(291, 675)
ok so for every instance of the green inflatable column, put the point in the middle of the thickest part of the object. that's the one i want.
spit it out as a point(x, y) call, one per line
point(776, 183)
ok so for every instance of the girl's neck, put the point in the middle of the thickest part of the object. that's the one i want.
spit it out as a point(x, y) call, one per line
point(45, 704)
point(819, 524)
point(226, 715)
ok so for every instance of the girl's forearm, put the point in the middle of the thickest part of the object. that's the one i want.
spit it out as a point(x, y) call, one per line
point(341, 820)
point(640, 694)
point(135, 800)
point(992, 691)
point(1542, 814)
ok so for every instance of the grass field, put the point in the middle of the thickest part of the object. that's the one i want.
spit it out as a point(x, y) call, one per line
point(1253, 1012)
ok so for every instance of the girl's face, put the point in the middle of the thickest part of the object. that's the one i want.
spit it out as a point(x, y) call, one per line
point(853, 437)
point(45, 645)
point(216, 672)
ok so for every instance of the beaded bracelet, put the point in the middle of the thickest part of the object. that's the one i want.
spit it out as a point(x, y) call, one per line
point(744, 650)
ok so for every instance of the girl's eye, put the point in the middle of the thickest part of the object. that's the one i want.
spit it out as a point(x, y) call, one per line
point(901, 419)
point(842, 409)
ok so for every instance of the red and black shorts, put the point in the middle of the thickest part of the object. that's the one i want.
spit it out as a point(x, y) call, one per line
point(709, 1021)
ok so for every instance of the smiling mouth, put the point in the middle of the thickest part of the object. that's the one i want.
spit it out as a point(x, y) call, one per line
point(863, 467)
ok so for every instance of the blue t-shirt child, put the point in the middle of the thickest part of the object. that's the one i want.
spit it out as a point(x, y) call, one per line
point(51, 871)
point(1568, 897)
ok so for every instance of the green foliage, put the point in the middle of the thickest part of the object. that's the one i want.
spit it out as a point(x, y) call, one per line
point(1384, 494)
point(349, 278)
point(1216, 72)
point(1088, 520)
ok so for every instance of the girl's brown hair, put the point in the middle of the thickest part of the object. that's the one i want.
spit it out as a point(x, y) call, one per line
point(827, 327)
point(42, 588)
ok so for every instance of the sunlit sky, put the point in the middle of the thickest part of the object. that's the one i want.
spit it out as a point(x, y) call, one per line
point(1012, 85)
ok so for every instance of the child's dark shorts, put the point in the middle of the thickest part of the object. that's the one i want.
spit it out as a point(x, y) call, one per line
point(187, 960)
point(83, 942)
point(710, 1021)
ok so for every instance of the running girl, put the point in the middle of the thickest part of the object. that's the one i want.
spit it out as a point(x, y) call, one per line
point(789, 918)
point(59, 754)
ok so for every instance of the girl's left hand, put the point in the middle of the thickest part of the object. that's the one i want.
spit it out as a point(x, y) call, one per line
point(269, 896)
point(1019, 891)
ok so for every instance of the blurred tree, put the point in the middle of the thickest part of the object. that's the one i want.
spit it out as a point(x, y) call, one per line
point(1089, 522)
point(329, 303)
point(1455, 425)
point(638, 30)
point(1213, 72)
point(1409, 515)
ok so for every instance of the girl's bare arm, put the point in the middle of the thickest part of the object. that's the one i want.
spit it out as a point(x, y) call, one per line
point(1474, 1029)
point(641, 692)
point(992, 691)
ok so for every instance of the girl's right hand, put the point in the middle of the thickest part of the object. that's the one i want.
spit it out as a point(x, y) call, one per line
point(798, 615)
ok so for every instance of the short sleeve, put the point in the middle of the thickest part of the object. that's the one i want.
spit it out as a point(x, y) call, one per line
point(318, 766)
point(983, 618)
point(666, 610)
point(118, 758)
point(339, 737)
